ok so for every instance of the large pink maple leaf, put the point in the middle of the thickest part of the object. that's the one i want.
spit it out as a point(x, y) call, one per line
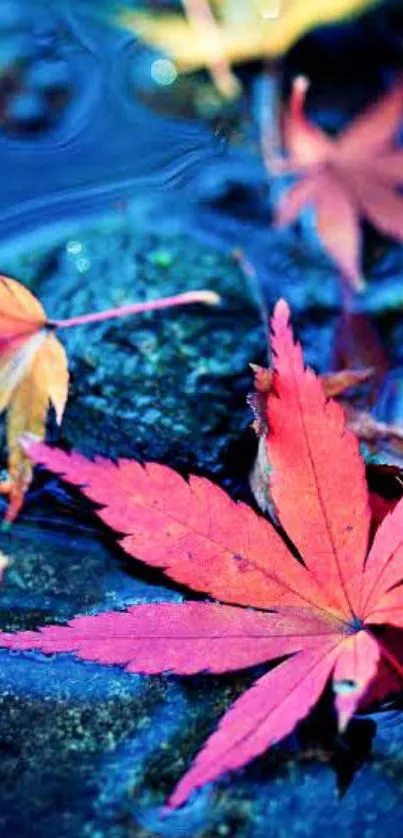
point(319, 612)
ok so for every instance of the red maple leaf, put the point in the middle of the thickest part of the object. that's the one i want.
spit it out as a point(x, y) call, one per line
point(321, 613)
point(354, 175)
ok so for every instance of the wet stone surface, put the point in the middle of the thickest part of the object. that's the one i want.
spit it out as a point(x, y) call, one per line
point(93, 751)
point(169, 386)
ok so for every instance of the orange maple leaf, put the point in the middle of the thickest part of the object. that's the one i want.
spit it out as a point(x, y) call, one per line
point(353, 176)
point(34, 371)
point(33, 375)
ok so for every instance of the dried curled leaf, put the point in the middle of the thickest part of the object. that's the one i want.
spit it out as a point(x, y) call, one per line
point(334, 385)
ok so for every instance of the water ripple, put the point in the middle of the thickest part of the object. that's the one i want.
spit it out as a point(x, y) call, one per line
point(102, 145)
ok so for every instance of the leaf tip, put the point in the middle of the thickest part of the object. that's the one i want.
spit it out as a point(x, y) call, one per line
point(4, 562)
point(347, 696)
point(343, 718)
point(358, 283)
point(28, 441)
point(300, 86)
point(301, 83)
point(281, 313)
point(175, 801)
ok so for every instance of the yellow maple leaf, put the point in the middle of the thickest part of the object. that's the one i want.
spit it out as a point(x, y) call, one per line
point(288, 20)
point(34, 371)
point(33, 375)
point(45, 383)
point(244, 29)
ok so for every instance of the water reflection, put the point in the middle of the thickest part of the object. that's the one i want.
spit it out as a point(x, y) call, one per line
point(73, 135)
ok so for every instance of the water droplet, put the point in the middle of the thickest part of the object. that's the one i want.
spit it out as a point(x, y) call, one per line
point(83, 265)
point(74, 247)
point(163, 71)
point(345, 687)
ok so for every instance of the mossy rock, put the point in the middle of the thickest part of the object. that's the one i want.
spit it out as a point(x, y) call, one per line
point(168, 386)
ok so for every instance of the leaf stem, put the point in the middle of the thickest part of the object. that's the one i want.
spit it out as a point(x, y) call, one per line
point(187, 298)
point(203, 22)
